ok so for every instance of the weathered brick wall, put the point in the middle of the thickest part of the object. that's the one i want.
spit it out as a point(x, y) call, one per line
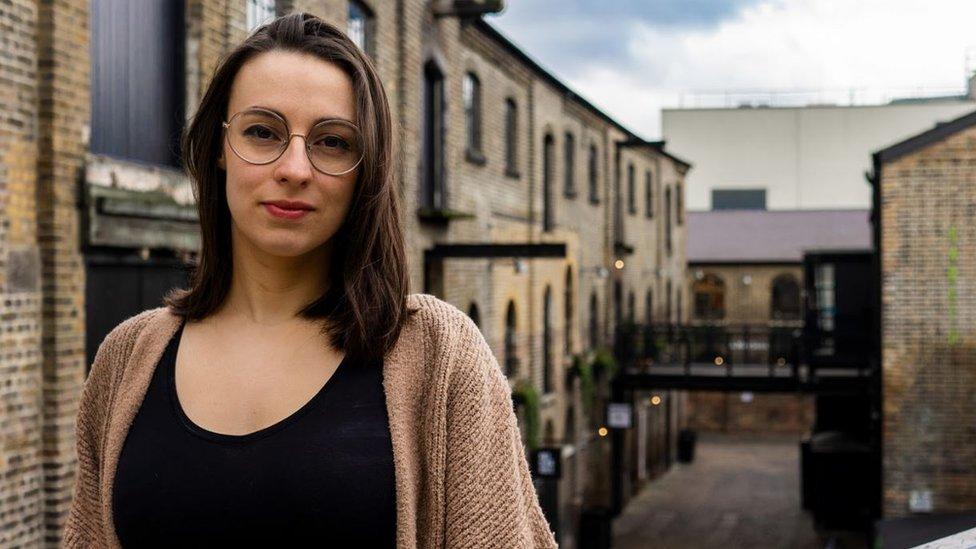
point(928, 238)
point(21, 484)
point(748, 289)
point(750, 412)
point(64, 117)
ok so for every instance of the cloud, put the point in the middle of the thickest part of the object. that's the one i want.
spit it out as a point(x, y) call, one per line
point(633, 67)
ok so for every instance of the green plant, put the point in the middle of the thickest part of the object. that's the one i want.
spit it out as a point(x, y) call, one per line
point(583, 369)
point(604, 363)
point(525, 395)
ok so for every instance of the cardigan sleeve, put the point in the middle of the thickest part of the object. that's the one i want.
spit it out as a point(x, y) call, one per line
point(489, 496)
point(84, 524)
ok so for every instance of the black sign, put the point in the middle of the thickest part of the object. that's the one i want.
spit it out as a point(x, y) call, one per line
point(547, 462)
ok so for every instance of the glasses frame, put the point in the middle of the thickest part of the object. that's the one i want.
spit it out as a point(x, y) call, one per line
point(287, 143)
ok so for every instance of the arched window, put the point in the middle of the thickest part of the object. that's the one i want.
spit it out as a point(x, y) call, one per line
point(631, 190)
point(594, 322)
point(631, 306)
point(785, 298)
point(511, 138)
point(547, 168)
point(360, 26)
point(709, 293)
point(569, 434)
point(547, 341)
point(569, 158)
point(649, 307)
point(648, 194)
point(434, 194)
point(471, 94)
point(594, 185)
point(667, 220)
point(568, 320)
point(474, 313)
point(511, 358)
point(667, 302)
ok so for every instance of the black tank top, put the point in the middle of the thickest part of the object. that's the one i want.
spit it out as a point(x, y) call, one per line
point(322, 476)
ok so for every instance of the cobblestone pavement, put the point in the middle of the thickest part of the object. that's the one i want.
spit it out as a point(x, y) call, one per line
point(741, 491)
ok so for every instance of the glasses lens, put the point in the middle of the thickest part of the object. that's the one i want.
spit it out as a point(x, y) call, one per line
point(257, 136)
point(335, 147)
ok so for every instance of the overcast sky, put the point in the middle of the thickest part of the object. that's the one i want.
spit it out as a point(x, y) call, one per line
point(633, 57)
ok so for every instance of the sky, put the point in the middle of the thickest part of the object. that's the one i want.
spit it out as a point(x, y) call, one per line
point(631, 58)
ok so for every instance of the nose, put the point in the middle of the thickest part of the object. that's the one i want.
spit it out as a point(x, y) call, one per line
point(293, 166)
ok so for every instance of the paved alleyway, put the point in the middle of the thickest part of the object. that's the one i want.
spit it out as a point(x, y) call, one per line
point(740, 492)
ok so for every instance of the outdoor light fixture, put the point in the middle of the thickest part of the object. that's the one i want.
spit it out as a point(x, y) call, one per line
point(699, 274)
point(602, 272)
point(602, 431)
point(747, 279)
point(519, 265)
point(655, 400)
point(719, 361)
point(619, 264)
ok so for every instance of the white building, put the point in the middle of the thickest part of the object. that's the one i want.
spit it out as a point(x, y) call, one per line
point(794, 158)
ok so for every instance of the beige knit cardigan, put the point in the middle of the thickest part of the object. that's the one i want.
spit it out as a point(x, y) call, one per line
point(462, 479)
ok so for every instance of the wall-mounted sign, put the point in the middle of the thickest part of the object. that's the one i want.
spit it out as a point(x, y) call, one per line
point(619, 415)
point(547, 463)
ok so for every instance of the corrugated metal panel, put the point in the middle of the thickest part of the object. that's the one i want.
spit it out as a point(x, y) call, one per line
point(138, 79)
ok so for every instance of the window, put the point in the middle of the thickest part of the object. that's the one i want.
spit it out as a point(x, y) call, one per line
point(785, 298)
point(631, 306)
point(569, 157)
point(667, 301)
point(471, 94)
point(648, 194)
point(511, 358)
point(259, 12)
point(631, 191)
point(547, 341)
point(594, 186)
point(594, 322)
point(649, 307)
point(511, 138)
point(137, 80)
point(679, 203)
point(361, 27)
point(434, 192)
point(568, 317)
point(739, 199)
point(709, 296)
point(474, 314)
point(547, 167)
point(667, 220)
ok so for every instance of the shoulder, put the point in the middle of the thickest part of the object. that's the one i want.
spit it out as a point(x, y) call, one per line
point(456, 342)
point(443, 322)
point(116, 347)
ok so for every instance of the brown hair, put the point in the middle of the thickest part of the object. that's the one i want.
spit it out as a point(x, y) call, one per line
point(365, 302)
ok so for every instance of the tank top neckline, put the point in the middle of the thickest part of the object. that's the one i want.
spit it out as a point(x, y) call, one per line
point(197, 430)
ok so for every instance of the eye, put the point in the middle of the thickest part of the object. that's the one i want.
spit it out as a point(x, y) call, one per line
point(260, 132)
point(332, 142)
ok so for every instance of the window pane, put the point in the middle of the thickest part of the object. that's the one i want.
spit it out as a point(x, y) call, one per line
point(739, 199)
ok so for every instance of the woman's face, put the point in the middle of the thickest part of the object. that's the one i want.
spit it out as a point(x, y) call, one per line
point(303, 89)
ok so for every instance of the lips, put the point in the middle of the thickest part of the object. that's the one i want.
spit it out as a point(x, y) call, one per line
point(289, 205)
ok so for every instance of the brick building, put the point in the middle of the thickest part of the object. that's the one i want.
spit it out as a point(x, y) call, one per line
point(745, 268)
point(546, 220)
point(924, 202)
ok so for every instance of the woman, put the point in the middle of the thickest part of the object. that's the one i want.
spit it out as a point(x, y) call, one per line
point(295, 393)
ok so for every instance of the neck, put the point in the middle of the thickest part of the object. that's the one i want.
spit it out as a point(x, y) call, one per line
point(269, 290)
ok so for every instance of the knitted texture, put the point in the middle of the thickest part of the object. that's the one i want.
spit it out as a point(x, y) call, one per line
point(462, 479)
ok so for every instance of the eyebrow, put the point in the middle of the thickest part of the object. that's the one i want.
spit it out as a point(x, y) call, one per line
point(314, 122)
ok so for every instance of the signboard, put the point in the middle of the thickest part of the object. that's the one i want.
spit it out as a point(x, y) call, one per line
point(619, 415)
point(547, 463)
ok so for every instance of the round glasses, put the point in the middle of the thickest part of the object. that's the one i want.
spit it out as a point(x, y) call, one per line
point(260, 137)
